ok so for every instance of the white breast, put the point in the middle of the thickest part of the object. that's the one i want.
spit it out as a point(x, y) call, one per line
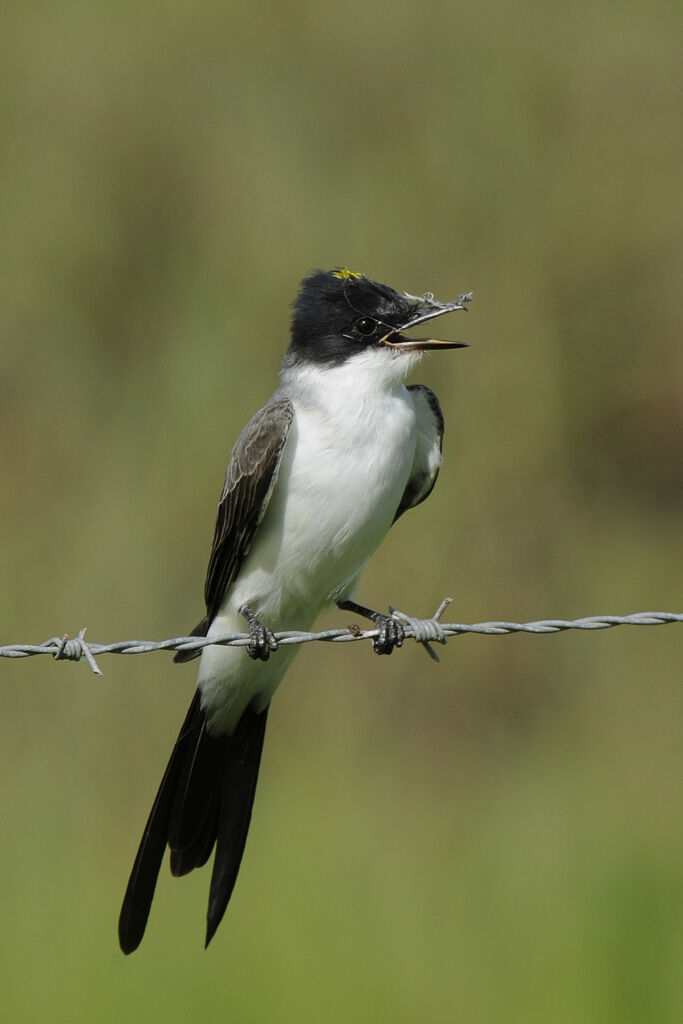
point(345, 466)
point(344, 469)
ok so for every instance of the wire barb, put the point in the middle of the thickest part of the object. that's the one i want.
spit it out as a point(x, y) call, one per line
point(424, 631)
point(73, 648)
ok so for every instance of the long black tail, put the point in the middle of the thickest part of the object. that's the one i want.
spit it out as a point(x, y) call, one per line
point(205, 798)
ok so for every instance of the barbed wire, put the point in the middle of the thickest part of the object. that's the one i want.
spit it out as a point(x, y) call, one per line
point(423, 631)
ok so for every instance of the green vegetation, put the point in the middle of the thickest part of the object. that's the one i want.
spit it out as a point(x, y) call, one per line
point(497, 838)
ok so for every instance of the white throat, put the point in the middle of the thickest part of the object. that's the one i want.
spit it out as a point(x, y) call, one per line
point(372, 373)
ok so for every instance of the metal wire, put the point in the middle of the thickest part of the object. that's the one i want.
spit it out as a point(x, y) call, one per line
point(423, 631)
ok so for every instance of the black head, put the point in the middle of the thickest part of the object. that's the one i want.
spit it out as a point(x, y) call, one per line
point(339, 313)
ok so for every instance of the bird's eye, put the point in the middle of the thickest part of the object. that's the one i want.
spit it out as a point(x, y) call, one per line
point(366, 326)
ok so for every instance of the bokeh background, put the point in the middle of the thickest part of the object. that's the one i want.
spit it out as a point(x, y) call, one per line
point(497, 838)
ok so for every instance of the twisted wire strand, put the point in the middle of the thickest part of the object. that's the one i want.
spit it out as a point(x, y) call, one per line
point(423, 631)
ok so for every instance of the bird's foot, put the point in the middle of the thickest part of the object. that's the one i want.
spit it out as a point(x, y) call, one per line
point(390, 634)
point(262, 639)
point(390, 631)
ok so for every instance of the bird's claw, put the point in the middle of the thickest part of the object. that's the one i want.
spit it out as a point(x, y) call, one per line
point(390, 634)
point(261, 638)
point(262, 642)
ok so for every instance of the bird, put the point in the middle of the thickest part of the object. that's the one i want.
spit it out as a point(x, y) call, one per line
point(315, 481)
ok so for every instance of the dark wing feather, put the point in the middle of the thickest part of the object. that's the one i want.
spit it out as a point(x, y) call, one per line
point(250, 478)
point(427, 460)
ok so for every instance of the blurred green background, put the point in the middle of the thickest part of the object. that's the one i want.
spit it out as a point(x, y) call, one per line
point(497, 838)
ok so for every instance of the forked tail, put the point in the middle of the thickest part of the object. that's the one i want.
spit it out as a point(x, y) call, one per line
point(205, 799)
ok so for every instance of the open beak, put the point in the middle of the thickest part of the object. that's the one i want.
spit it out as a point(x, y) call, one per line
point(427, 308)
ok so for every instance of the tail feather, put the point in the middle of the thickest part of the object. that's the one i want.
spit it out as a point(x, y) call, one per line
point(197, 789)
point(206, 795)
point(198, 852)
point(143, 877)
point(237, 800)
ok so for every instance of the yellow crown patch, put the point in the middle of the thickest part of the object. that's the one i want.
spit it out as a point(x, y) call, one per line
point(344, 274)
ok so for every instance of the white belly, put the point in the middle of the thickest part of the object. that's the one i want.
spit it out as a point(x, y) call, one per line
point(341, 480)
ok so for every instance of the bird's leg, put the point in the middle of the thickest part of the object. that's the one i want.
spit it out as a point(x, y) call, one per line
point(262, 640)
point(391, 633)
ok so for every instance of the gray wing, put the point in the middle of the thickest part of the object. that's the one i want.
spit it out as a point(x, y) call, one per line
point(251, 476)
point(427, 462)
